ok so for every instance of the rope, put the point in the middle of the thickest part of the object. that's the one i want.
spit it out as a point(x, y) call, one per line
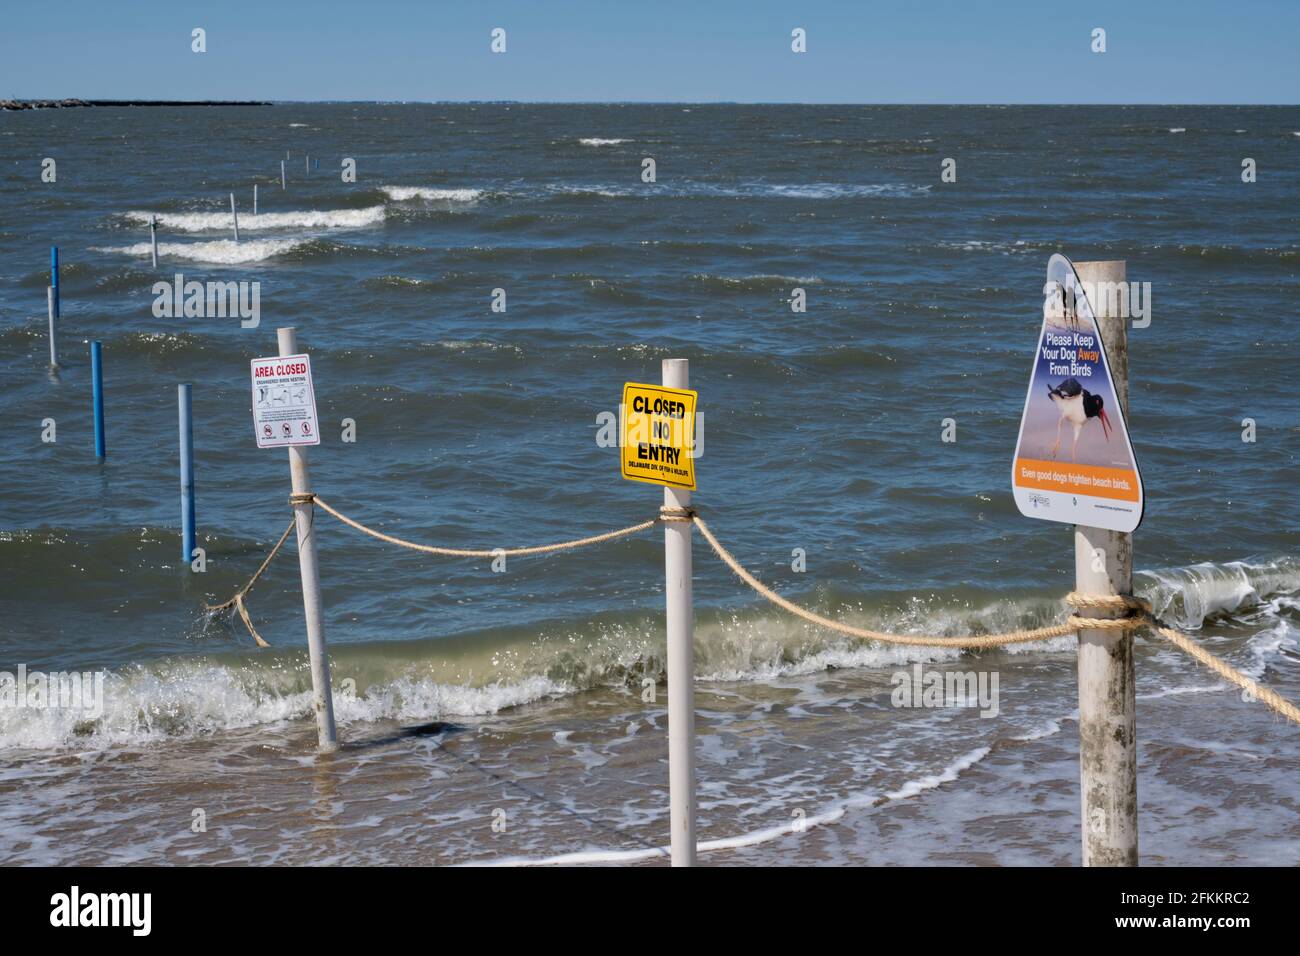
point(1134, 612)
point(1270, 698)
point(1184, 643)
point(310, 498)
point(486, 553)
point(1138, 611)
point(237, 602)
point(248, 622)
point(912, 640)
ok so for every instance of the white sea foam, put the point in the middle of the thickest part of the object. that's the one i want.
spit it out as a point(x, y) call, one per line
point(597, 141)
point(1178, 129)
point(195, 697)
point(831, 814)
point(293, 219)
point(838, 190)
point(609, 192)
point(224, 251)
point(186, 697)
point(1003, 247)
point(190, 696)
point(946, 775)
point(832, 658)
point(431, 194)
point(760, 280)
point(1266, 646)
point(410, 699)
point(1188, 595)
point(1048, 728)
point(811, 191)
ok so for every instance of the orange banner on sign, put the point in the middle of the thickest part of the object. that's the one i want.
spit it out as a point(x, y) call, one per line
point(1118, 483)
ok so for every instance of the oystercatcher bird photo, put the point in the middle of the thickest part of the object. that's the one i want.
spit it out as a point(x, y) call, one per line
point(1077, 405)
point(1059, 307)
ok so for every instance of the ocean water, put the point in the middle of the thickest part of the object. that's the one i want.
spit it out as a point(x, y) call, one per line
point(467, 697)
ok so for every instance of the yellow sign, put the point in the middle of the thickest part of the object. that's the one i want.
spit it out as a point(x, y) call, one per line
point(658, 440)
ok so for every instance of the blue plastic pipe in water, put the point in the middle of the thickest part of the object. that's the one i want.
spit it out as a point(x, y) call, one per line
point(97, 390)
point(187, 473)
point(54, 277)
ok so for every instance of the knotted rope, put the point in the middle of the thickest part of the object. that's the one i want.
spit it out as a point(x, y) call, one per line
point(1138, 615)
point(1133, 613)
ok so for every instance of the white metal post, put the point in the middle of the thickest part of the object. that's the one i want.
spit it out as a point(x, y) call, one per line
point(54, 347)
point(680, 619)
point(322, 698)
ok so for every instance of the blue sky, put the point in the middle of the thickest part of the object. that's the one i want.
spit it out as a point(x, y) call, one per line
point(870, 51)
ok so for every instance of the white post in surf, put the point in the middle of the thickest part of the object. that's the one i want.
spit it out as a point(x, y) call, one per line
point(680, 620)
point(306, 163)
point(153, 239)
point(322, 697)
point(282, 174)
point(234, 216)
point(254, 199)
point(54, 348)
point(1103, 564)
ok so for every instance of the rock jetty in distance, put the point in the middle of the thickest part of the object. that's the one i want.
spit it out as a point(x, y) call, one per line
point(69, 104)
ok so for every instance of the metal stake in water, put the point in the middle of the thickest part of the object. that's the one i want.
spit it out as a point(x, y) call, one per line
point(54, 279)
point(97, 396)
point(54, 348)
point(185, 412)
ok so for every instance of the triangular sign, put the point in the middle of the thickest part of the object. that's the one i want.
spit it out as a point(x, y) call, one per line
point(1074, 462)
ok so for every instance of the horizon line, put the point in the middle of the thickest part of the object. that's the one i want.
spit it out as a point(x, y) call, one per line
point(649, 102)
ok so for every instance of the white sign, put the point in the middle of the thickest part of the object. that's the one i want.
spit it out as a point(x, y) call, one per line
point(284, 402)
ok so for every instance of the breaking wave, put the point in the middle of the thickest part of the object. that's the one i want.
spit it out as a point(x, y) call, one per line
point(431, 194)
point(294, 219)
point(482, 674)
point(223, 251)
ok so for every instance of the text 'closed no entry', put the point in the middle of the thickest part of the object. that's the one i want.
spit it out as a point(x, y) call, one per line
point(658, 440)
